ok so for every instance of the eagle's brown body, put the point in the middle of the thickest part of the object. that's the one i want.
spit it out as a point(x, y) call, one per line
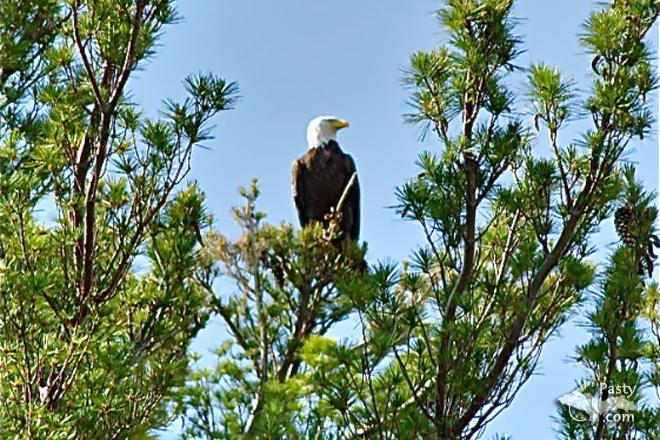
point(319, 178)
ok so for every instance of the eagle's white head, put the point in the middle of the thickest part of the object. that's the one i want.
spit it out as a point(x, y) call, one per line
point(324, 129)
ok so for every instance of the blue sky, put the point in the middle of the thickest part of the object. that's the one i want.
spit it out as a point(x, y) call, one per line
point(297, 59)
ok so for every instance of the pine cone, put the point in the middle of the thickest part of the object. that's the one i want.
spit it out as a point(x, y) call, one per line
point(624, 222)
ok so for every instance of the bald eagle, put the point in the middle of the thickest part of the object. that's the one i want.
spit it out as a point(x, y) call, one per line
point(320, 176)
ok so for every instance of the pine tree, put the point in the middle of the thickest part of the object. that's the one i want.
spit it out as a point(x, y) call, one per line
point(287, 295)
point(507, 231)
point(446, 340)
point(91, 346)
point(620, 348)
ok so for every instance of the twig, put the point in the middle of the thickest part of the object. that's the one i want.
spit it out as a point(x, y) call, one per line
point(83, 56)
point(344, 195)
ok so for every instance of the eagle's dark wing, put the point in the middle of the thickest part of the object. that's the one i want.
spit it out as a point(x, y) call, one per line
point(352, 206)
point(298, 186)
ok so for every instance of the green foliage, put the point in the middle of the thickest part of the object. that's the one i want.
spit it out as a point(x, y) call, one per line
point(286, 296)
point(620, 349)
point(28, 33)
point(507, 232)
point(99, 301)
point(446, 340)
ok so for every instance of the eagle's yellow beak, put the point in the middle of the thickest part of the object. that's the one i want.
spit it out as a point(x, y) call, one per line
point(340, 123)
